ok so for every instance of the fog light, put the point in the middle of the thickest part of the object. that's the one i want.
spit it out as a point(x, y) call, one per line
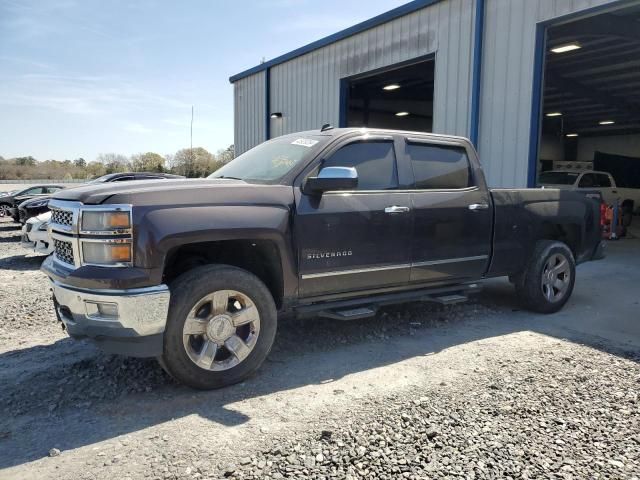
point(108, 309)
point(102, 310)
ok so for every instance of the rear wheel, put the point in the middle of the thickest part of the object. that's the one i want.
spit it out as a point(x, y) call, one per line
point(4, 210)
point(221, 326)
point(548, 280)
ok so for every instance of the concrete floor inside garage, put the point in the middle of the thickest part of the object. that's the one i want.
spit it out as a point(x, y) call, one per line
point(605, 303)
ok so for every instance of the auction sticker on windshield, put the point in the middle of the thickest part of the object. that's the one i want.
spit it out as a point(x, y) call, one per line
point(305, 142)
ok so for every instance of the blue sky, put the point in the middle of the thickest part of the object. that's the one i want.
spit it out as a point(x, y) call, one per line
point(83, 77)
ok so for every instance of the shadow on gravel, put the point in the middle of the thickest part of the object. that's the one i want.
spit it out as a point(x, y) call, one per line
point(21, 262)
point(80, 401)
point(14, 238)
point(7, 228)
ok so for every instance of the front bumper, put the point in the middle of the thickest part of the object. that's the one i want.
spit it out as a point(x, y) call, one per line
point(129, 322)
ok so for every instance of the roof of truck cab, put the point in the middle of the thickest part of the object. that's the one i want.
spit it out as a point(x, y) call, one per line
point(336, 132)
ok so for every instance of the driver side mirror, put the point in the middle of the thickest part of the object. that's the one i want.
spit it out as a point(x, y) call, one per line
point(332, 178)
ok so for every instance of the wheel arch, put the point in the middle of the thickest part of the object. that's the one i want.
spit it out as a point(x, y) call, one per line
point(567, 233)
point(258, 256)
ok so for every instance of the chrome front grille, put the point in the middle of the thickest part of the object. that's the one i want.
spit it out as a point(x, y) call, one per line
point(62, 217)
point(63, 251)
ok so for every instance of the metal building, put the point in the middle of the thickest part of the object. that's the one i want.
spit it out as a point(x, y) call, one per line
point(468, 67)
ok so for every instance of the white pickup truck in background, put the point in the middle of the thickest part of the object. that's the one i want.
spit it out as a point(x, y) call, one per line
point(591, 180)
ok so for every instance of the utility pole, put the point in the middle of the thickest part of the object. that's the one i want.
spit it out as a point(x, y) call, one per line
point(191, 159)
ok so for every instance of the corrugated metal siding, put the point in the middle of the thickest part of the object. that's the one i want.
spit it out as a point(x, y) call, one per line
point(249, 114)
point(307, 89)
point(507, 74)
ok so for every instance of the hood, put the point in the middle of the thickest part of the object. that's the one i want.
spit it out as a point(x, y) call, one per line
point(178, 192)
point(32, 201)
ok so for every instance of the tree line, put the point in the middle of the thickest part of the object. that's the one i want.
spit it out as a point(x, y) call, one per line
point(192, 163)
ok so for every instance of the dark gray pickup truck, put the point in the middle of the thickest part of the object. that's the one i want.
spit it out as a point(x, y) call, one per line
point(332, 223)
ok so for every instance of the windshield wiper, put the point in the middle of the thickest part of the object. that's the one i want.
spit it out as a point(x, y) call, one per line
point(230, 178)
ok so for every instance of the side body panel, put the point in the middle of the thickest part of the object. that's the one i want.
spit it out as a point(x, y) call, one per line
point(347, 242)
point(452, 232)
point(450, 241)
point(524, 216)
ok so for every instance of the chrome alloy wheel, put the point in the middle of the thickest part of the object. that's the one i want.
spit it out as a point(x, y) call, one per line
point(221, 330)
point(4, 210)
point(556, 277)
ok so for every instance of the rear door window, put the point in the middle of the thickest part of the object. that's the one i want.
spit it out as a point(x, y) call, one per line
point(34, 191)
point(603, 180)
point(588, 180)
point(375, 162)
point(439, 166)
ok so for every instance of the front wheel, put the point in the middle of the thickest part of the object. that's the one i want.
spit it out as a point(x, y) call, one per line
point(548, 280)
point(221, 326)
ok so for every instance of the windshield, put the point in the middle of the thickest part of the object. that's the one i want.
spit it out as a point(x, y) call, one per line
point(558, 178)
point(272, 160)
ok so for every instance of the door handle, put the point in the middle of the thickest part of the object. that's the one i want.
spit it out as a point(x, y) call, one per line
point(396, 209)
point(479, 206)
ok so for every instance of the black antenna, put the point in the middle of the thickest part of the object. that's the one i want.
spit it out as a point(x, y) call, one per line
point(325, 127)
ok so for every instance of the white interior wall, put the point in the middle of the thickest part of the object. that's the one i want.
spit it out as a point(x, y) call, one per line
point(551, 148)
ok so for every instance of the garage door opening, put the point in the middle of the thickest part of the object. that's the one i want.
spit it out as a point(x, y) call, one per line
point(400, 98)
point(591, 105)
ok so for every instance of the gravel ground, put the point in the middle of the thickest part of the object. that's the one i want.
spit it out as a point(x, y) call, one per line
point(474, 391)
point(575, 420)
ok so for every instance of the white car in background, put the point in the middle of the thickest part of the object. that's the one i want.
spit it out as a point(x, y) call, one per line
point(35, 235)
point(590, 180)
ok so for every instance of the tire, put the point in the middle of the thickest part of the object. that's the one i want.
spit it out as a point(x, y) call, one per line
point(548, 280)
point(203, 329)
point(4, 210)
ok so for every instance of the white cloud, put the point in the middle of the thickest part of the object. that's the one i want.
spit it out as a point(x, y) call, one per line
point(134, 127)
point(82, 94)
point(314, 23)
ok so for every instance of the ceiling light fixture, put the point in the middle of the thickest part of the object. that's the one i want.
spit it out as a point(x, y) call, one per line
point(393, 86)
point(402, 114)
point(276, 115)
point(554, 114)
point(607, 122)
point(572, 135)
point(569, 47)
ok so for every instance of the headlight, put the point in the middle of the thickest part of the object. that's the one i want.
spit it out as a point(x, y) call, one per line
point(43, 226)
point(106, 253)
point(97, 221)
